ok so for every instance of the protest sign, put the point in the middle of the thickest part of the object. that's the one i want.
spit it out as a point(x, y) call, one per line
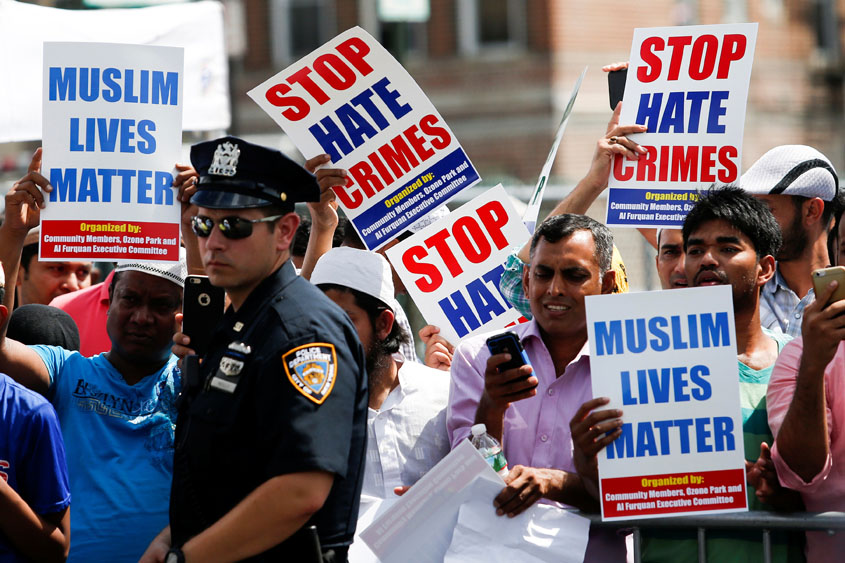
point(451, 268)
point(667, 359)
point(533, 210)
point(689, 86)
point(112, 134)
point(352, 100)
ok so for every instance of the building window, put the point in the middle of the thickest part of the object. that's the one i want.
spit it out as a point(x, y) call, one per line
point(300, 26)
point(490, 24)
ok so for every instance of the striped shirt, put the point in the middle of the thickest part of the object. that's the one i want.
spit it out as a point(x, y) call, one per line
point(781, 309)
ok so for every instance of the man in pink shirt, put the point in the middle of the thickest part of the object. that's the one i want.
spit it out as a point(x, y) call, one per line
point(529, 408)
point(89, 309)
point(806, 405)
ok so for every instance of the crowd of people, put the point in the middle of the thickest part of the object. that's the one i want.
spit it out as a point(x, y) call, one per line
point(311, 393)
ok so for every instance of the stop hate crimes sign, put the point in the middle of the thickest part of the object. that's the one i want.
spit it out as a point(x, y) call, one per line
point(112, 132)
point(452, 267)
point(689, 86)
point(352, 100)
point(667, 359)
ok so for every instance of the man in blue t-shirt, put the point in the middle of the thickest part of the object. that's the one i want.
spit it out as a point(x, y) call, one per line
point(34, 493)
point(116, 409)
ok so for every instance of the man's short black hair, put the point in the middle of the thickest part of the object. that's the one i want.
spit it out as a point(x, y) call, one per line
point(559, 227)
point(27, 253)
point(373, 307)
point(741, 210)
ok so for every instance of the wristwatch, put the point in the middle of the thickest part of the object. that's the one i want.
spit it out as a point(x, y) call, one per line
point(174, 555)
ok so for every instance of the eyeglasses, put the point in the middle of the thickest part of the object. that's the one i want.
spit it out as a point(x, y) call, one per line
point(231, 227)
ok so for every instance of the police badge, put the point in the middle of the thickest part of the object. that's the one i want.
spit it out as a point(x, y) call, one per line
point(225, 160)
point(312, 369)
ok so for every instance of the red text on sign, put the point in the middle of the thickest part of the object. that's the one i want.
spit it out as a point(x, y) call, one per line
point(329, 72)
point(473, 235)
point(706, 56)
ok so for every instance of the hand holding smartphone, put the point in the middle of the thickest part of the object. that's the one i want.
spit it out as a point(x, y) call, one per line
point(202, 307)
point(508, 342)
point(822, 279)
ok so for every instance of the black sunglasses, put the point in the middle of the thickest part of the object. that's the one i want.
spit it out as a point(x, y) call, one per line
point(231, 227)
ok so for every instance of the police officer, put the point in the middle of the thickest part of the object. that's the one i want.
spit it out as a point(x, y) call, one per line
point(270, 438)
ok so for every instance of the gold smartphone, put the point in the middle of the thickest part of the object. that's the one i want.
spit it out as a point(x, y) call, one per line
point(823, 277)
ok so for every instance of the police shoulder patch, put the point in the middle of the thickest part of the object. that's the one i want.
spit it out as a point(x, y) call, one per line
point(312, 369)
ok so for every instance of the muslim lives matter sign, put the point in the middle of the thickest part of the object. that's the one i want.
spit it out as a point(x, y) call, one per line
point(688, 85)
point(112, 132)
point(668, 360)
point(452, 267)
point(352, 100)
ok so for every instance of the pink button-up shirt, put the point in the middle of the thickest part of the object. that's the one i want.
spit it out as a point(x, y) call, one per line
point(536, 430)
point(826, 491)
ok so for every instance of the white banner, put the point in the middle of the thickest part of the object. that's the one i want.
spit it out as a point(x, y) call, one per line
point(195, 26)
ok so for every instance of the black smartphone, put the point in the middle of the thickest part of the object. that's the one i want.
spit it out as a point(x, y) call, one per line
point(202, 306)
point(508, 342)
point(616, 85)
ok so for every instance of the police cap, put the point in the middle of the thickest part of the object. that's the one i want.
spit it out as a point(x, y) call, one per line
point(235, 174)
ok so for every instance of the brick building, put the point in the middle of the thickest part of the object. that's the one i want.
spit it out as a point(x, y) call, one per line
point(500, 73)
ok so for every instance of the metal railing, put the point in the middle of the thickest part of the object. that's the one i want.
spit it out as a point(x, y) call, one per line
point(764, 521)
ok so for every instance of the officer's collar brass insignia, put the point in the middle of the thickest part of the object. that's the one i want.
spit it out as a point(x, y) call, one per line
point(225, 160)
point(312, 369)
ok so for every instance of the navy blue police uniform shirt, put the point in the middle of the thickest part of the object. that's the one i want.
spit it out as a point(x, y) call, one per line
point(283, 390)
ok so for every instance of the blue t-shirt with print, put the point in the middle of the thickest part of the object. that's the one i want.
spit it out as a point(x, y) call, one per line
point(119, 439)
point(32, 455)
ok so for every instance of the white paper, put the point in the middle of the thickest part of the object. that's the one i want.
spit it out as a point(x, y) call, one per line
point(419, 526)
point(541, 534)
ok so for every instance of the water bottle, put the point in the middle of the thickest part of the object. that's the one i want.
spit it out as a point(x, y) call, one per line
point(490, 449)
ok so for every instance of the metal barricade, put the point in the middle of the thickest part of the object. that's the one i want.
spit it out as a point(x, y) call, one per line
point(764, 521)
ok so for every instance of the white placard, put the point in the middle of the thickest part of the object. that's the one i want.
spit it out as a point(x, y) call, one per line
point(689, 86)
point(112, 134)
point(667, 359)
point(352, 100)
point(452, 267)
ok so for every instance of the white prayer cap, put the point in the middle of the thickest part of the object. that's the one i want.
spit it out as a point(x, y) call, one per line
point(792, 170)
point(361, 270)
point(171, 271)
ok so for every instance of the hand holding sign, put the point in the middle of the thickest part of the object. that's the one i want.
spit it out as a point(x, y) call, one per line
point(591, 431)
point(25, 200)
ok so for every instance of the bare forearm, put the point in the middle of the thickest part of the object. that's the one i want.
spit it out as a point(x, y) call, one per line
point(33, 535)
point(268, 516)
point(568, 488)
point(319, 242)
point(11, 244)
point(491, 416)
point(803, 438)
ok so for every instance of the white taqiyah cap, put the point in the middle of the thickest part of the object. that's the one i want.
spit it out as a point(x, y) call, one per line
point(361, 270)
point(792, 170)
point(172, 271)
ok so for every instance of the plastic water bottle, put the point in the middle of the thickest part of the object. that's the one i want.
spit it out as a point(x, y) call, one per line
point(490, 449)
